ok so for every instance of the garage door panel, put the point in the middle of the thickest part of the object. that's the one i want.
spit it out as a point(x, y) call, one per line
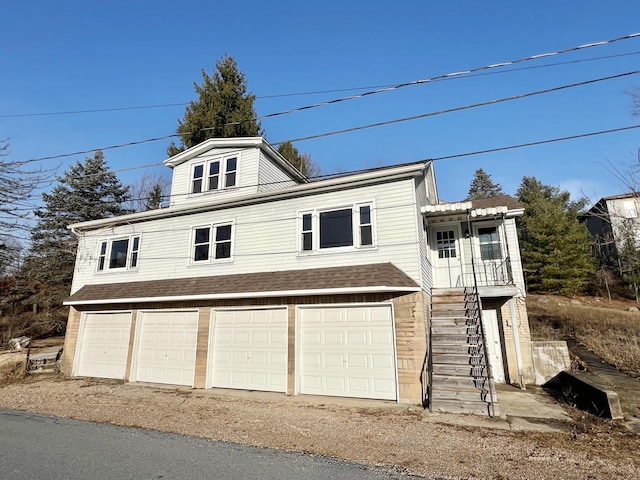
point(166, 347)
point(347, 351)
point(103, 346)
point(248, 349)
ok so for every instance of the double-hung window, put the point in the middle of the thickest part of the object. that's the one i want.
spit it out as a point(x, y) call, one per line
point(345, 227)
point(118, 254)
point(212, 243)
point(489, 240)
point(215, 174)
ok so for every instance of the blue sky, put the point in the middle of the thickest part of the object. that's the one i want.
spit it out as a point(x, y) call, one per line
point(78, 55)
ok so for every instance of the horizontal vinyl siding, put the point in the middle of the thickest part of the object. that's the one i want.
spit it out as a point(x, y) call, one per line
point(425, 264)
point(247, 177)
point(271, 177)
point(265, 239)
point(514, 253)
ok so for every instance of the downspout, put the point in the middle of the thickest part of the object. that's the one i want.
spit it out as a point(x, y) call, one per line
point(514, 318)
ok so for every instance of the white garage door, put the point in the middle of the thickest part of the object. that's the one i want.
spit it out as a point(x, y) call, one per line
point(248, 349)
point(166, 347)
point(103, 345)
point(347, 352)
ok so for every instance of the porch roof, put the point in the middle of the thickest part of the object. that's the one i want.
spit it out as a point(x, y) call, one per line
point(482, 207)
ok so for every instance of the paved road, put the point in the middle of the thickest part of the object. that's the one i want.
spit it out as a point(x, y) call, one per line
point(42, 447)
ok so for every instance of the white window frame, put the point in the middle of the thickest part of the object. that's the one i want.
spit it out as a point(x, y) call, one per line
point(213, 230)
point(223, 174)
point(501, 241)
point(356, 227)
point(108, 249)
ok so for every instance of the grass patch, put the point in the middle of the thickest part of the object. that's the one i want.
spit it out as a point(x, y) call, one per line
point(608, 330)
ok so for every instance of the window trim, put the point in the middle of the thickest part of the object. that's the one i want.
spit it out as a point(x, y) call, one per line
point(223, 174)
point(501, 240)
point(356, 232)
point(104, 258)
point(212, 243)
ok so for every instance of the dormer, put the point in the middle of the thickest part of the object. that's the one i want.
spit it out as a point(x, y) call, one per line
point(228, 167)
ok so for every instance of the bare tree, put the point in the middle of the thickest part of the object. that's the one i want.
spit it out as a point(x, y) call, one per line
point(149, 192)
point(634, 93)
point(19, 180)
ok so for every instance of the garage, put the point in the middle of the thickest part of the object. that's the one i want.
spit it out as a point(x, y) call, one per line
point(103, 345)
point(347, 351)
point(165, 349)
point(248, 349)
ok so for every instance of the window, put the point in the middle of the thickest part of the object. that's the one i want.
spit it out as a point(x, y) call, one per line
point(446, 244)
point(117, 254)
point(230, 175)
point(337, 228)
point(489, 243)
point(221, 173)
point(212, 243)
point(196, 184)
point(214, 175)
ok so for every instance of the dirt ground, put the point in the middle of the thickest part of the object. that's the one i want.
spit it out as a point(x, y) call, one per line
point(379, 433)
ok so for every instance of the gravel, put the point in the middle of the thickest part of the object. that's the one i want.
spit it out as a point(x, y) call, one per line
point(378, 433)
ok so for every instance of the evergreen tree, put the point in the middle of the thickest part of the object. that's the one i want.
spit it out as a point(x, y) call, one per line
point(302, 161)
point(224, 108)
point(556, 247)
point(483, 186)
point(87, 191)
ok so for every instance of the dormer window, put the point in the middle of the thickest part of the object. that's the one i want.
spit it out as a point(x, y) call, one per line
point(221, 173)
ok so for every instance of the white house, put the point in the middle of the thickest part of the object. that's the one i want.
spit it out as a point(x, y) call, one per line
point(255, 278)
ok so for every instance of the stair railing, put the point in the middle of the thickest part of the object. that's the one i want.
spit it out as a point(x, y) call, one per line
point(475, 313)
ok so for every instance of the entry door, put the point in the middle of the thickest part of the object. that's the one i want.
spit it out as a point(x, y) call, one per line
point(447, 263)
point(494, 349)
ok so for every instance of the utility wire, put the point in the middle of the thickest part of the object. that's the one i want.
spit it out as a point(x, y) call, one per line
point(457, 109)
point(362, 127)
point(378, 88)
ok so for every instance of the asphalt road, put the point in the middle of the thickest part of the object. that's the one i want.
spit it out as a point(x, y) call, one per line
point(43, 447)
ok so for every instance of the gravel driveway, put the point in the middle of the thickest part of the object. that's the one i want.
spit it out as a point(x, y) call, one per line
point(378, 433)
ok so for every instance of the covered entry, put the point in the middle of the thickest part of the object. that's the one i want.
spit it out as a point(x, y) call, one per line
point(347, 351)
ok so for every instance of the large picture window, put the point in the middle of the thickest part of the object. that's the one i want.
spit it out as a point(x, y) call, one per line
point(221, 173)
point(344, 227)
point(212, 243)
point(120, 253)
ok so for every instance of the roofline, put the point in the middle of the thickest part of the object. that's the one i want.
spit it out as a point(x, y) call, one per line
point(233, 142)
point(234, 295)
point(357, 179)
point(466, 207)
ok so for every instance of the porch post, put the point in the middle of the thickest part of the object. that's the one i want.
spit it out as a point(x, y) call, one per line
point(516, 341)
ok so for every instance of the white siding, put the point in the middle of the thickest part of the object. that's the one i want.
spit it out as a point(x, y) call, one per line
point(514, 253)
point(247, 176)
point(425, 264)
point(271, 176)
point(265, 239)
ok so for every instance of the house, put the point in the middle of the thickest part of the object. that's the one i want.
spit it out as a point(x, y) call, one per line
point(360, 285)
point(614, 221)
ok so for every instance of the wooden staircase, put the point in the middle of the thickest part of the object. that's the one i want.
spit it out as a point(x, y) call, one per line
point(461, 380)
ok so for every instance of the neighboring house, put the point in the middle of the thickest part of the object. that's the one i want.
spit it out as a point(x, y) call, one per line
point(613, 221)
point(254, 278)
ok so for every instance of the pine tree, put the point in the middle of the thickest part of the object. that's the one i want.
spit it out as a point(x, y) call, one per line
point(483, 186)
point(87, 191)
point(224, 108)
point(556, 247)
point(302, 161)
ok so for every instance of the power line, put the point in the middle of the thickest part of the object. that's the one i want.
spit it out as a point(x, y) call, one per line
point(457, 109)
point(362, 127)
point(539, 142)
point(378, 88)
